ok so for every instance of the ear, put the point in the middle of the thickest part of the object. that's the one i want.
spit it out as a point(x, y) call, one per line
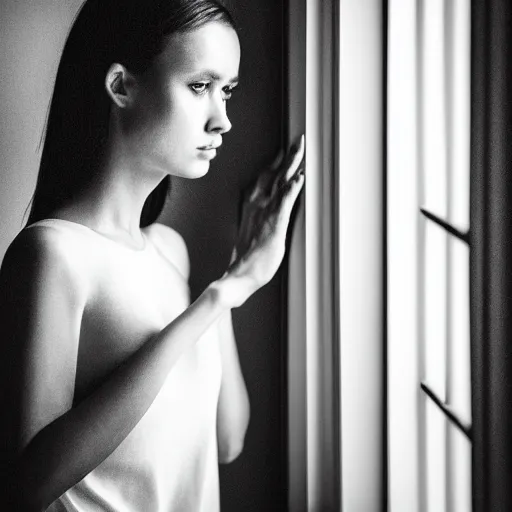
point(120, 85)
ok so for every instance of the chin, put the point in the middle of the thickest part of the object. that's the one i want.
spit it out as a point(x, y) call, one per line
point(196, 170)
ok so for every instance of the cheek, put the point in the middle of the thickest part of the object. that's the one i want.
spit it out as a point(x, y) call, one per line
point(178, 116)
point(183, 111)
point(170, 126)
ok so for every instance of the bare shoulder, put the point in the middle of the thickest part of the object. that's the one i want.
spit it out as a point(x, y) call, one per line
point(171, 245)
point(44, 251)
point(39, 245)
point(43, 291)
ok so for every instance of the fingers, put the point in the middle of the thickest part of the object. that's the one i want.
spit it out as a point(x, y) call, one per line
point(265, 179)
point(260, 189)
point(261, 226)
point(269, 182)
point(234, 256)
point(278, 160)
point(264, 186)
point(259, 206)
point(291, 167)
point(296, 159)
point(289, 199)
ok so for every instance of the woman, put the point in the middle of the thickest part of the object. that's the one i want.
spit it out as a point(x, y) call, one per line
point(120, 394)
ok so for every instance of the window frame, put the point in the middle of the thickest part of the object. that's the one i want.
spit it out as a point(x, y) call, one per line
point(327, 372)
point(491, 254)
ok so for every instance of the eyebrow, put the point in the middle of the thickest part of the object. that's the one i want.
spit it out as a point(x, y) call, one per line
point(215, 77)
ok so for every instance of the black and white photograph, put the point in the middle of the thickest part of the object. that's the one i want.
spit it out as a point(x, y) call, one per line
point(256, 255)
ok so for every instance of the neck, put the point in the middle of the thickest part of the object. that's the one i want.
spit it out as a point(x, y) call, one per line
point(113, 203)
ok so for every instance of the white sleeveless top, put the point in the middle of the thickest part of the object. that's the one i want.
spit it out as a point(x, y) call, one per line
point(168, 462)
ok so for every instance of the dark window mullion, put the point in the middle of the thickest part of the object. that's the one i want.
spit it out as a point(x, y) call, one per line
point(463, 236)
point(448, 411)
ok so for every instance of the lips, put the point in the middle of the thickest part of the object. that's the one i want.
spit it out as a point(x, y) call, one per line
point(207, 152)
point(210, 146)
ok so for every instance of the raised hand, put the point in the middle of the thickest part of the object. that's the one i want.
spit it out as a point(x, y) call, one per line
point(266, 210)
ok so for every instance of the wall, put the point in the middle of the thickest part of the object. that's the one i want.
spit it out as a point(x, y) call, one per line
point(32, 33)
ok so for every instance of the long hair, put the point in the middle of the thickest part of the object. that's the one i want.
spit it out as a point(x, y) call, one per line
point(129, 32)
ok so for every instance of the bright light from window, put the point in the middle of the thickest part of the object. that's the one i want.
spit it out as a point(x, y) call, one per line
point(435, 308)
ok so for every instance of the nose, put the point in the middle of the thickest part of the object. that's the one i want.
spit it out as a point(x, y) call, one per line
point(218, 121)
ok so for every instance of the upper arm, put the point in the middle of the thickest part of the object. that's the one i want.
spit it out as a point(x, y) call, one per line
point(41, 303)
point(173, 247)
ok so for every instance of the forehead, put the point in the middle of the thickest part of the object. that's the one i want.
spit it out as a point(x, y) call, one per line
point(211, 47)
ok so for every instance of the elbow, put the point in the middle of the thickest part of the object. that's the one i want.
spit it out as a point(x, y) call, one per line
point(228, 454)
point(231, 430)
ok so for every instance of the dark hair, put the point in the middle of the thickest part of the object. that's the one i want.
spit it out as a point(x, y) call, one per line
point(129, 32)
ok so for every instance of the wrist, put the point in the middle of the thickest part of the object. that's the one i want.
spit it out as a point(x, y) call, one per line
point(230, 291)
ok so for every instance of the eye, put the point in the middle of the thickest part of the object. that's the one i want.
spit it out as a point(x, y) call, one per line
point(200, 87)
point(228, 91)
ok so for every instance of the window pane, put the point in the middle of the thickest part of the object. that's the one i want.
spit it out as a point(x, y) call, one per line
point(459, 374)
point(436, 458)
point(404, 283)
point(459, 497)
point(459, 104)
point(435, 308)
point(434, 108)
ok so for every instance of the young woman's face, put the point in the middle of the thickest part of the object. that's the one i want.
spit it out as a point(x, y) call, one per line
point(180, 113)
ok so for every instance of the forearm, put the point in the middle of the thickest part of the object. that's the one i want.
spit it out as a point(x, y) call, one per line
point(233, 409)
point(62, 453)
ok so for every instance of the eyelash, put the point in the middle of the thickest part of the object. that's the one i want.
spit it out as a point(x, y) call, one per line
point(228, 91)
